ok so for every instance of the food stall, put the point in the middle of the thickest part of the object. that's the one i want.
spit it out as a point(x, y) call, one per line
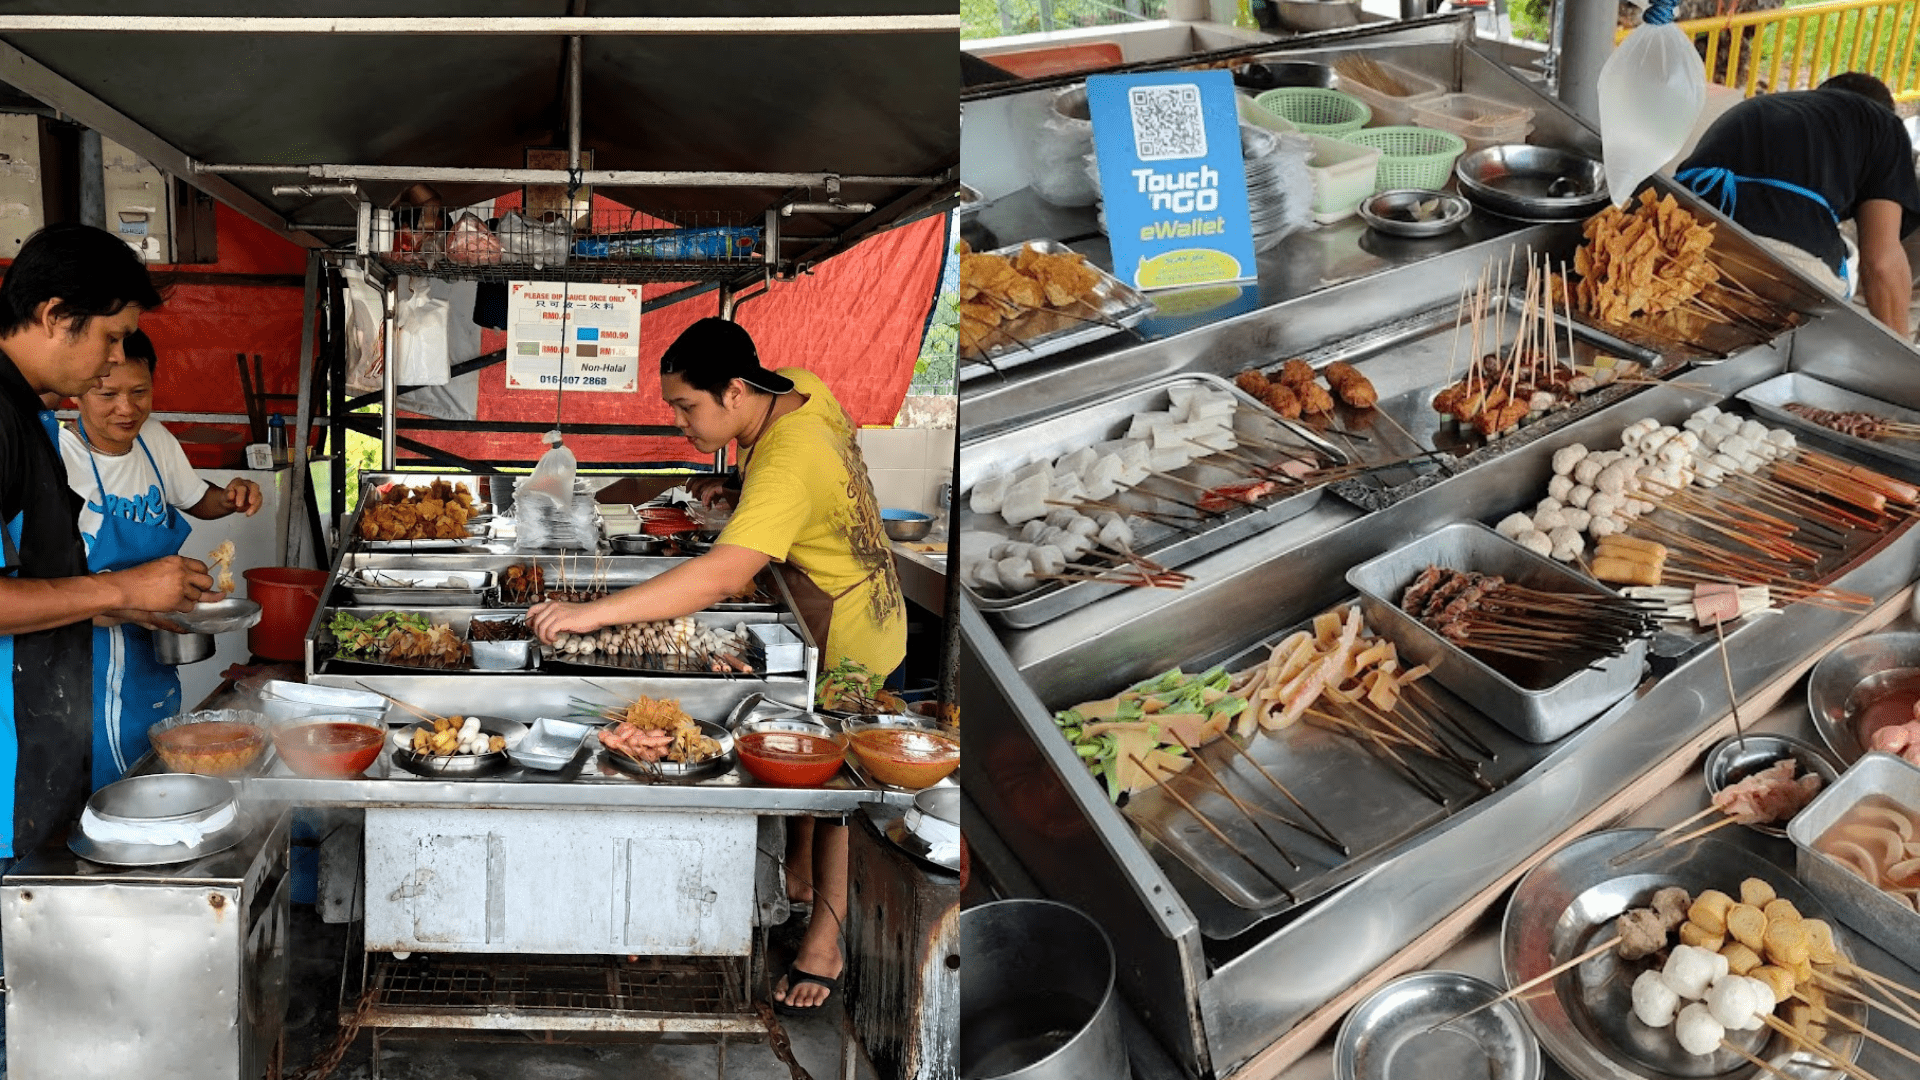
point(1242, 941)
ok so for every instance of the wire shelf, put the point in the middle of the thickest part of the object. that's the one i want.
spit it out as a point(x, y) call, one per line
point(704, 987)
point(607, 245)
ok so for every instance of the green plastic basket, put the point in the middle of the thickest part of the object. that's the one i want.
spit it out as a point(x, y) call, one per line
point(1411, 157)
point(1316, 111)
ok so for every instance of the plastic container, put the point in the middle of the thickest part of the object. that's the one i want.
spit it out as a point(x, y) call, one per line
point(1316, 111)
point(288, 597)
point(1411, 157)
point(1393, 110)
point(1343, 176)
point(1482, 122)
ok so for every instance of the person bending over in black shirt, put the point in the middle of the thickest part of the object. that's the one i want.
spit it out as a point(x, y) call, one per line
point(1790, 167)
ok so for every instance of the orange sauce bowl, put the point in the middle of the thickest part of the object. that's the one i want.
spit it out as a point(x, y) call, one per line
point(906, 757)
point(209, 747)
point(329, 749)
point(790, 758)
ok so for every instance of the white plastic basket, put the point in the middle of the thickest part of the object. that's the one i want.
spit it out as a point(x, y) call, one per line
point(1343, 175)
point(1391, 110)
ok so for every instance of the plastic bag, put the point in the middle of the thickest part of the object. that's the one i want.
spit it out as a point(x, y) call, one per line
point(1057, 145)
point(420, 337)
point(553, 474)
point(539, 242)
point(473, 243)
point(1651, 91)
point(366, 333)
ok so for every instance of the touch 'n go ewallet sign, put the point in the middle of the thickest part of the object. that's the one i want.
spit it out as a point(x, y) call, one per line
point(1172, 178)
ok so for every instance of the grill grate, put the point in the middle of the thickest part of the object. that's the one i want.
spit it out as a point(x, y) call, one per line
point(703, 986)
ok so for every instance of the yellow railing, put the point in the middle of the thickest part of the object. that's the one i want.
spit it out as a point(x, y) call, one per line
point(1798, 48)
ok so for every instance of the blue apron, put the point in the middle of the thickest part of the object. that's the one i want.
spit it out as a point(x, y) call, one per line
point(132, 689)
point(1723, 187)
point(10, 536)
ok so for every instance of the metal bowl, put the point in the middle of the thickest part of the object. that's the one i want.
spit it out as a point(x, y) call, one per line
point(1307, 16)
point(219, 617)
point(180, 649)
point(906, 524)
point(1731, 762)
point(463, 764)
point(637, 544)
point(677, 770)
point(1387, 1035)
point(1856, 671)
point(1274, 74)
point(1390, 212)
point(1532, 183)
point(185, 798)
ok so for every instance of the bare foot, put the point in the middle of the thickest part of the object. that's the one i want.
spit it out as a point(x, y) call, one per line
point(825, 962)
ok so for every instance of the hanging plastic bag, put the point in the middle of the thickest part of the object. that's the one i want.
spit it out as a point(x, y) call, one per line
point(553, 474)
point(1059, 139)
point(420, 337)
point(1651, 91)
point(543, 501)
point(366, 333)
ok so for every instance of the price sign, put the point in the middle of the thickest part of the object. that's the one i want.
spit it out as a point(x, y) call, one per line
point(580, 336)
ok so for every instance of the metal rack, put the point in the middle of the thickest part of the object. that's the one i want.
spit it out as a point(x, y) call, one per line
point(609, 993)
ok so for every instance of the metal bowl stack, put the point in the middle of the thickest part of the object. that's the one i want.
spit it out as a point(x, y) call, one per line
point(1532, 183)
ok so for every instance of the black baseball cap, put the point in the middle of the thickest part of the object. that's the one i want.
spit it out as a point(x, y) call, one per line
point(713, 352)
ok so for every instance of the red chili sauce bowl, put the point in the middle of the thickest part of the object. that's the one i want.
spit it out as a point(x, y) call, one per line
point(906, 757)
point(329, 749)
point(790, 758)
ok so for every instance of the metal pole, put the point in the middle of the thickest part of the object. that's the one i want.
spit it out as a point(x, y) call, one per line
point(1413, 9)
point(573, 106)
point(388, 380)
point(484, 25)
point(1589, 29)
point(93, 180)
point(303, 411)
point(429, 174)
point(727, 306)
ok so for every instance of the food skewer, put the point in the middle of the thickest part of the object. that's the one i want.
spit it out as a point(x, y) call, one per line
point(1325, 833)
point(1628, 856)
point(1727, 1044)
point(1550, 973)
point(1161, 783)
point(1873, 1035)
point(1376, 744)
point(1232, 798)
point(1801, 1041)
point(1886, 1002)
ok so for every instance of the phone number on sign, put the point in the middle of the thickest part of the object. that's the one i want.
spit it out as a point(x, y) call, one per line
point(574, 380)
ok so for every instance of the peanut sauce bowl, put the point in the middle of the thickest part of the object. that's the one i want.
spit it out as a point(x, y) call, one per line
point(1734, 759)
point(902, 752)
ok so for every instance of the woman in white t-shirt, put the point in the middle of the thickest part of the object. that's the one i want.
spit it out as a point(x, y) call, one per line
point(134, 479)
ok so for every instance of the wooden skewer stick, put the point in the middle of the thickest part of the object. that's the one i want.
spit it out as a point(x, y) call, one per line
point(1530, 983)
point(1325, 833)
point(421, 713)
point(1876, 1037)
point(1161, 783)
point(1733, 698)
point(1231, 797)
point(1801, 1041)
point(1891, 1005)
point(1635, 853)
point(1727, 1045)
point(1882, 981)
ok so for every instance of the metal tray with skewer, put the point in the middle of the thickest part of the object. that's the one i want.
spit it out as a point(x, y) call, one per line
point(677, 770)
point(554, 660)
point(1363, 798)
point(1162, 529)
point(1771, 398)
point(1115, 306)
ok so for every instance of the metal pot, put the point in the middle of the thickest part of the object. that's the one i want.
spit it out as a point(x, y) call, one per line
point(1308, 16)
point(177, 649)
point(1037, 999)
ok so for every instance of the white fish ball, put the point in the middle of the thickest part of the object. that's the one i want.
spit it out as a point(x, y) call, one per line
point(1536, 541)
point(1047, 559)
point(1579, 496)
point(1642, 506)
point(1647, 423)
point(1697, 1031)
point(1725, 463)
point(1709, 414)
point(1752, 463)
point(1568, 545)
point(1546, 504)
point(1513, 525)
point(1721, 967)
point(1588, 468)
point(1688, 439)
point(1781, 438)
point(1548, 520)
point(1540, 401)
point(1559, 486)
point(1762, 993)
point(1602, 504)
point(1732, 1004)
point(1753, 430)
point(1689, 971)
point(1605, 525)
point(1674, 451)
point(980, 574)
point(1654, 1002)
point(1565, 458)
point(1612, 480)
point(1016, 575)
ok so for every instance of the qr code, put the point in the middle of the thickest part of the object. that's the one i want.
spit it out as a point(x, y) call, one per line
point(1167, 122)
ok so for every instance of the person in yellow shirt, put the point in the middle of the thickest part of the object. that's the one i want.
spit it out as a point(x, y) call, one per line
point(806, 506)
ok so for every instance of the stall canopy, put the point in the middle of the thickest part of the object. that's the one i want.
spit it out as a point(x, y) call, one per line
point(860, 89)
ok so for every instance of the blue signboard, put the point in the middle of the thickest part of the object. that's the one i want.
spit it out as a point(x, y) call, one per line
point(1171, 177)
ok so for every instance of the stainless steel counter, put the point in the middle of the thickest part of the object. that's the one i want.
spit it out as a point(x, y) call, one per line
point(923, 576)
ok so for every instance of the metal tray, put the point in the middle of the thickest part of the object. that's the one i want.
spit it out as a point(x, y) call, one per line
point(474, 537)
point(419, 588)
point(1882, 919)
point(1371, 808)
point(1770, 400)
point(1043, 333)
point(326, 646)
point(758, 706)
point(460, 765)
point(1555, 699)
point(1164, 544)
point(1390, 1036)
point(1568, 904)
point(674, 770)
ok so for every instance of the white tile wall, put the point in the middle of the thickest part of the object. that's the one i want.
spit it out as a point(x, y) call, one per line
point(907, 465)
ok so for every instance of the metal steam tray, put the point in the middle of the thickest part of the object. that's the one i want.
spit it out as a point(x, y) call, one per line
point(658, 664)
point(1770, 399)
point(418, 588)
point(1557, 698)
point(1162, 543)
point(1881, 917)
point(1369, 806)
point(1116, 306)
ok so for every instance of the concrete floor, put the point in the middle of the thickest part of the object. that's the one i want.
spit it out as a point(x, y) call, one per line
point(416, 1055)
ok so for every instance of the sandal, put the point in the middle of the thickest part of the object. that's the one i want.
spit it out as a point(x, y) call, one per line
point(796, 976)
